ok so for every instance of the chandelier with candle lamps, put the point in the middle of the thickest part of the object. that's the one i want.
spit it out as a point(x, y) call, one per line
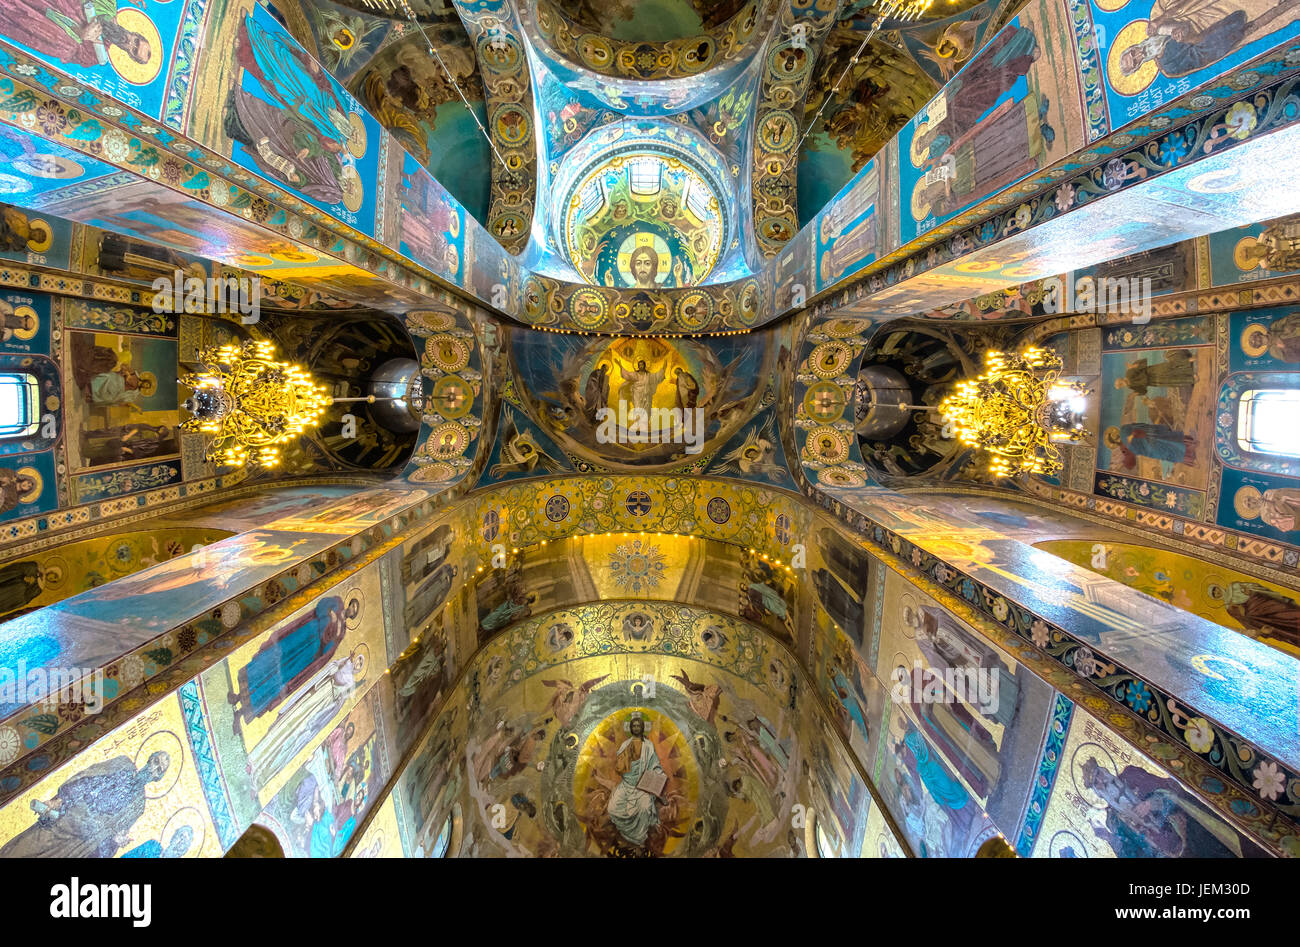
point(251, 403)
point(1018, 411)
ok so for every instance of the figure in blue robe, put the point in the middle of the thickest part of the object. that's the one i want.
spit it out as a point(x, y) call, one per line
point(1158, 441)
point(634, 811)
point(178, 845)
point(844, 690)
point(290, 657)
point(943, 788)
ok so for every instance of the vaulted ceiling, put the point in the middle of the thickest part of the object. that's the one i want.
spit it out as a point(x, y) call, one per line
point(503, 102)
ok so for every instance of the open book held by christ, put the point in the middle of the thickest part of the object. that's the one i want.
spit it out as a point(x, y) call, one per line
point(653, 781)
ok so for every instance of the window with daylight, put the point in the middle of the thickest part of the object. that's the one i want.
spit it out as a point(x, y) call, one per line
point(1266, 421)
point(443, 842)
point(593, 199)
point(20, 410)
point(644, 176)
point(697, 201)
point(827, 845)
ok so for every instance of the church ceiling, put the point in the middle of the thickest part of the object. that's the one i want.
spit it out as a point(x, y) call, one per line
point(788, 68)
point(644, 76)
point(441, 90)
point(898, 72)
point(406, 89)
point(574, 404)
point(726, 719)
point(700, 229)
point(651, 21)
point(644, 219)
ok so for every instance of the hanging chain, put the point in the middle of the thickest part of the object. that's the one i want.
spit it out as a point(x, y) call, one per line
point(410, 15)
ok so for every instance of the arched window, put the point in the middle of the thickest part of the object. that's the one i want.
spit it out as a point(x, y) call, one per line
point(593, 199)
point(697, 200)
point(644, 176)
point(20, 408)
point(1266, 421)
point(443, 841)
point(828, 845)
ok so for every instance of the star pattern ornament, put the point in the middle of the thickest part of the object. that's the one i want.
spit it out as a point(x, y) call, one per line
point(637, 566)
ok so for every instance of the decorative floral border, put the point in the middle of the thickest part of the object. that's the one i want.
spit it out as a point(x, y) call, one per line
point(1057, 729)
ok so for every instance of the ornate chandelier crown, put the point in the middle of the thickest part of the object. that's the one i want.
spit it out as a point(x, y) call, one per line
point(1018, 412)
point(250, 403)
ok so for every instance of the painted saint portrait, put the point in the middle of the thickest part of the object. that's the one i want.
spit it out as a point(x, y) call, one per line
point(79, 33)
point(984, 141)
point(92, 813)
point(638, 401)
point(1155, 414)
point(1185, 36)
point(1149, 816)
point(290, 656)
point(632, 802)
point(291, 122)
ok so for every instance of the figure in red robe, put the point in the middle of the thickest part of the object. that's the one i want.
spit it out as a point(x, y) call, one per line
point(73, 31)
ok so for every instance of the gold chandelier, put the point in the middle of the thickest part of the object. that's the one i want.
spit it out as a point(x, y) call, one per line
point(251, 403)
point(1018, 412)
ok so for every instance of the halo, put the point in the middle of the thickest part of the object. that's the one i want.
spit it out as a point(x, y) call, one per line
point(42, 245)
point(182, 817)
point(137, 73)
point(363, 652)
point(1111, 433)
point(1130, 36)
point(1065, 836)
point(148, 383)
point(902, 663)
point(919, 211)
point(819, 439)
point(978, 266)
point(357, 137)
point(1239, 502)
point(295, 256)
point(353, 190)
point(908, 602)
point(27, 334)
point(58, 567)
point(1204, 663)
point(1219, 181)
point(348, 599)
point(1239, 254)
point(433, 319)
point(432, 473)
point(646, 725)
point(1251, 350)
point(1214, 588)
point(840, 477)
point(898, 722)
point(169, 743)
point(918, 159)
point(32, 495)
point(1081, 755)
